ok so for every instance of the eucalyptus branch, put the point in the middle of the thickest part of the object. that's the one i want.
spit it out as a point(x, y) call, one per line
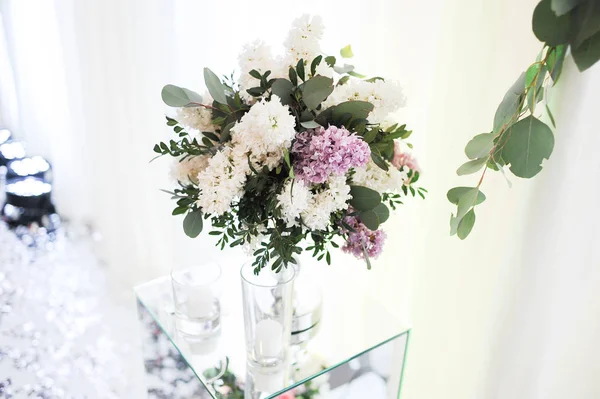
point(519, 139)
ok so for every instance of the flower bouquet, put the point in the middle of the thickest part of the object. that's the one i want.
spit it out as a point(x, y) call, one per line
point(293, 155)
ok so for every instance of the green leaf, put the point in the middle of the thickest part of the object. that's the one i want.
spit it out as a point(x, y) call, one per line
point(255, 74)
point(383, 212)
point(555, 61)
point(356, 74)
point(192, 224)
point(225, 134)
point(358, 109)
point(214, 86)
point(293, 76)
point(364, 198)
point(310, 124)
point(211, 136)
point(480, 145)
point(466, 224)
point(330, 60)
point(370, 219)
point(534, 78)
point(286, 157)
point(346, 52)
point(453, 224)
point(510, 105)
point(588, 53)
point(379, 161)
point(175, 96)
point(347, 68)
point(454, 195)
point(561, 7)
point(466, 202)
point(283, 89)
point(471, 167)
point(316, 90)
point(549, 27)
point(529, 143)
point(343, 80)
point(314, 64)
point(585, 22)
point(300, 69)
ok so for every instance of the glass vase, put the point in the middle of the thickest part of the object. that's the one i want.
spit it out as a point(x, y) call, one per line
point(268, 307)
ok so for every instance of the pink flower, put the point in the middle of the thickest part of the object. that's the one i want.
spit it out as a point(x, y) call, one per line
point(362, 239)
point(404, 159)
point(287, 395)
point(322, 152)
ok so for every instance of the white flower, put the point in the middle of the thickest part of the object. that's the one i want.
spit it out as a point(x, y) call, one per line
point(256, 55)
point(197, 118)
point(386, 97)
point(220, 183)
point(373, 177)
point(186, 171)
point(333, 198)
point(293, 200)
point(303, 40)
point(264, 132)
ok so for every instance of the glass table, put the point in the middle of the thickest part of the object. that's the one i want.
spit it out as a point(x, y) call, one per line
point(358, 352)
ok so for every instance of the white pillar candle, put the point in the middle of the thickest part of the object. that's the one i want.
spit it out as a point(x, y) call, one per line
point(200, 302)
point(268, 341)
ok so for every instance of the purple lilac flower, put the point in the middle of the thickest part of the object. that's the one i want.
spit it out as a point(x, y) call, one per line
point(322, 152)
point(362, 239)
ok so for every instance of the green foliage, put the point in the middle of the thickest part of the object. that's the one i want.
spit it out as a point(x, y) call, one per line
point(192, 223)
point(529, 143)
point(175, 96)
point(316, 90)
point(215, 86)
point(364, 198)
point(519, 139)
point(346, 52)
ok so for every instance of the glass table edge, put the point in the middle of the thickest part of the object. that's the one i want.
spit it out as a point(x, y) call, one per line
point(328, 369)
point(162, 328)
point(295, 384)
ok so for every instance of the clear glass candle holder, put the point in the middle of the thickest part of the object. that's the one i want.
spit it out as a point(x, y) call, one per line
point(268, 307)
point(196, 293)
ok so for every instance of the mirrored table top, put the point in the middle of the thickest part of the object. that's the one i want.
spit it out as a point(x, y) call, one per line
point(353, 323)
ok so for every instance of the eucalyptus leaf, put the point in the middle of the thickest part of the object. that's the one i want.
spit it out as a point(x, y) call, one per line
point(346, 52)
point(370, 219)
point(192, 223)
point(466, 202)
point(316, 90)
point(364, 198)
point(588, 53)
point(549, 27)
point(225, 134)
point(347, 68)
point(379, 161)
point(585, 22)
point(534, 78)
point(550, 116)
point(561, 7)
point(466, 225)
point(453, 224)
point(480, 145)
point(175, 96)
point(358, 109)
point(454, 195)
point(471, 167)
point(283, 89)
point(215, 86)
point(383, 212)
point(510, 105)
point(310, 124)
point(330, 60)
point(529, 143)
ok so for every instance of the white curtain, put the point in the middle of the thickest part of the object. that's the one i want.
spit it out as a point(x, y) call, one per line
point(506, 313)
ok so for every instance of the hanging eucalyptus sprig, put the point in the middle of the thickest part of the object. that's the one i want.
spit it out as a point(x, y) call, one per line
point(519, 139)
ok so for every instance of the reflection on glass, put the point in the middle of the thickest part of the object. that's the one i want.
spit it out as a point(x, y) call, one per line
point(196, 292)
